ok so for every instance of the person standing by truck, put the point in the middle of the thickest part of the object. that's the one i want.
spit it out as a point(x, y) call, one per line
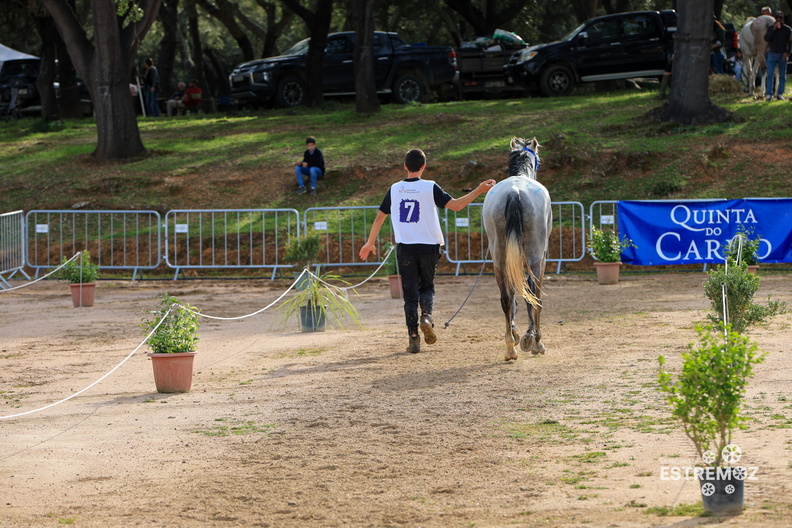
point(779, 35)
point(412, 204)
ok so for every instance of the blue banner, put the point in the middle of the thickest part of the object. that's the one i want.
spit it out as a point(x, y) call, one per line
point(694, 232)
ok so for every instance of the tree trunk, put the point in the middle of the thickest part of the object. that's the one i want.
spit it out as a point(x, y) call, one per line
point(47, 69)
point(69, 105)
point(366, 98)
point(318, 23)
point(104, 63)
point(196, 47)
point(484, 23)
point(116, 122)
point(169, 45)
point(689, 102)
point(224, 13)
point(584, 9)
point(718, 9)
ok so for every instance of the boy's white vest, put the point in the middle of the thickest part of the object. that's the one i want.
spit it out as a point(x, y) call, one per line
point(414, 213)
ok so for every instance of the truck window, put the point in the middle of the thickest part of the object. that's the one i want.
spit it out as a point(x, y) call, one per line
point(379, 43)
point(340, 45)
point(604, 30)
point(638, 26)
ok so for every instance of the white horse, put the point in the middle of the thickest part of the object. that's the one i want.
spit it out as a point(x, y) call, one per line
point(518, 218)
point(754, 47)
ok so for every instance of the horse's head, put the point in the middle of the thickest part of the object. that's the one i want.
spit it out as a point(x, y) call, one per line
point(524, 158)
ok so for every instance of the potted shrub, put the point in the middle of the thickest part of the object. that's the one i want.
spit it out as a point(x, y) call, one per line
point(744, 247)
point(606, 248)
point(319, 303)
point(172, 344)
point(394, 279)
point(302, 252)
point(706, 398)
point(82, 274)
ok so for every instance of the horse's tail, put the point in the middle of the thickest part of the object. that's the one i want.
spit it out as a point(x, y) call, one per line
point(515, 264)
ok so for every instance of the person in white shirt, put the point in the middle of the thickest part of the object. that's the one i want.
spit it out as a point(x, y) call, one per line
point(412, 204)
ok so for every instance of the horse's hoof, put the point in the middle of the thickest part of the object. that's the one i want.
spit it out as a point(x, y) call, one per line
point(538, 348)
point(527, 342)
point(508, 359)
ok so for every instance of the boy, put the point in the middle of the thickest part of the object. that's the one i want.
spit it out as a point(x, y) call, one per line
point(412, 204)
point(312, 165)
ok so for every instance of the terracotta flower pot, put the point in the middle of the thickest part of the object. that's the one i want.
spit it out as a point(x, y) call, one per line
point(753, 269)
point(83, 294)
point(173, 372)
point(395, 283)
point(607, 272)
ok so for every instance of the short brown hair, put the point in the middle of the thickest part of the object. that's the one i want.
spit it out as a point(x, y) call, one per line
point(414, 160)
point(310, 139)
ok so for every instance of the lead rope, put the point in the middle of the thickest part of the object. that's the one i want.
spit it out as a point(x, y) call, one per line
point(447, 323)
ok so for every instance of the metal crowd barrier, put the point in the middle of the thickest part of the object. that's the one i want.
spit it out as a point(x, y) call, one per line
point(344, 231)
point(229, 238)
point(466, 240)
point(603, 213)
point(12, 246)
point(115, 239)
point(245, 238)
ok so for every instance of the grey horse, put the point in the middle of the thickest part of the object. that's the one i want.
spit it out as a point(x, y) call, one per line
point(518, 218)
point(754, 47)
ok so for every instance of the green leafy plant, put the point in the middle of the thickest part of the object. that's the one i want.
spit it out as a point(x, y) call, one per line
point(178, 333)
point(744, 247)
point(740, 287)
point(606, 246)
point(391, 264)
point(79, 271)
point(303, 251)
point(707, 395)
point(324, 299)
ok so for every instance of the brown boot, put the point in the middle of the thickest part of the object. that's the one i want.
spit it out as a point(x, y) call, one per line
point(415, 344)
point(427, 327)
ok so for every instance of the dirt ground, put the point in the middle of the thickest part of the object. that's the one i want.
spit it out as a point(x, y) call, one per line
point(343, 428)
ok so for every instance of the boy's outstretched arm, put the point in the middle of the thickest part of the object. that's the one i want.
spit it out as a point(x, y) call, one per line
point(457, 204)
point(369, 247)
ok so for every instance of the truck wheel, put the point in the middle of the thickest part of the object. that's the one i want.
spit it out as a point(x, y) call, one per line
point(408, 89)
point(291, 92)
point(556, 80)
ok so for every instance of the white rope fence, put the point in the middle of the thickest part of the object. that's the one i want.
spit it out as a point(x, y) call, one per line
point(162, 320)
point(391, 250)
point(97, 381)
point(270, 305)
point(79, 253)
point(273, 303)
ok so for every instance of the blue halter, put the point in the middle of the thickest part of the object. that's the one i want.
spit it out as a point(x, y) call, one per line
point(535, 157)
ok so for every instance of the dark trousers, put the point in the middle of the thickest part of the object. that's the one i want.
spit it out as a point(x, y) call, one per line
point(417, 272)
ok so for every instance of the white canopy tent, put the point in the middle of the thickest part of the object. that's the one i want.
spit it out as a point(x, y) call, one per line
point(10, 54)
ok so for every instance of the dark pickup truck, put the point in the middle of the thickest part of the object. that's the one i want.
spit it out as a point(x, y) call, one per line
point(620, 46)
point(404, 71)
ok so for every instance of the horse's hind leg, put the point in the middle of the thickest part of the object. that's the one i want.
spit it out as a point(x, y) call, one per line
point(532, 339)
point(509, 308)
